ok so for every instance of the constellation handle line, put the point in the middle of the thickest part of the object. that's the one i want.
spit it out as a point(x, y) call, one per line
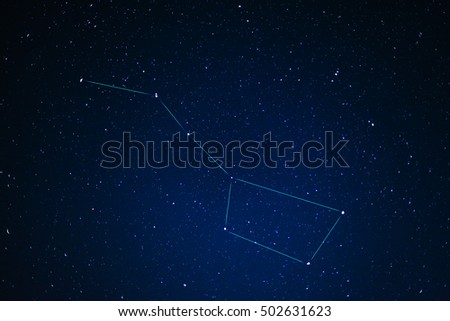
point(120, 88)
point(228, 204)
point(137, 92)
point(167, 109)
point(215, 161)
point(266, 247)
point(285, 194)
point(329, 232)
point(173, 116)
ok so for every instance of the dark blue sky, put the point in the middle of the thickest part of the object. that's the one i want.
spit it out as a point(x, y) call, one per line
point(375, 74)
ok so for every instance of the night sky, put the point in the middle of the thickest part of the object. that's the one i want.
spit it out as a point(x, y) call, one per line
point(375, 74)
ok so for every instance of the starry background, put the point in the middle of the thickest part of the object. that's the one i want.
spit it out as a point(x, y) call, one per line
point(374, 73)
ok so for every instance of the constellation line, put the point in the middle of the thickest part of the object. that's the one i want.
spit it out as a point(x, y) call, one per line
point(215, 161)
point(329, 232)
point(120, 88)
point(173, 116)
point(167, 109)
point(228, 203)
point(266, 247)
point(285, 194)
